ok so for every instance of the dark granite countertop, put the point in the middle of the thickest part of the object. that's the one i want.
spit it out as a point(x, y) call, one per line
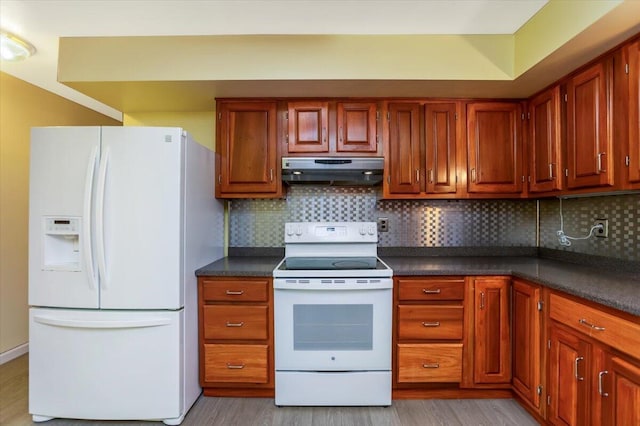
point(605, 285)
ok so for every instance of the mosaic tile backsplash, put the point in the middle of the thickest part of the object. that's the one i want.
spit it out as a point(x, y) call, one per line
point(444, 223)
point(419, 223)
point(579, 214)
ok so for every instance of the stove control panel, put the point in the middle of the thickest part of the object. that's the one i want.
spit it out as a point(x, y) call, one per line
point(330, 232)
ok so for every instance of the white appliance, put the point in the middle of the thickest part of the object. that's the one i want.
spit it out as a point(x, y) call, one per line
point(333, 317)
point(119, 220)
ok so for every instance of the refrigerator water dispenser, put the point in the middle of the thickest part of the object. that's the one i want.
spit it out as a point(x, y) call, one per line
point(61, 245)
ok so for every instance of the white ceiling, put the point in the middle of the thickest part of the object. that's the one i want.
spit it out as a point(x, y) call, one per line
point(42, 22)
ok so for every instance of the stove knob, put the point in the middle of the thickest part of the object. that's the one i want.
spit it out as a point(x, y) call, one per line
point(363, 230)
point(289, 230)
point(299, 231)
point(371, 230)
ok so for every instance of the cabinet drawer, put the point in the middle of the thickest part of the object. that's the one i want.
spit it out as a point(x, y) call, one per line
point(431, 289)
point(437, 362)
point(609, 329)
point(236, 363)
point(235, 290)
point(430, 322)
point(235, 322)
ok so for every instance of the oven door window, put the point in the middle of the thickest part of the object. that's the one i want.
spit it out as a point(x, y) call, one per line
point(332, 327)
point(332, 330)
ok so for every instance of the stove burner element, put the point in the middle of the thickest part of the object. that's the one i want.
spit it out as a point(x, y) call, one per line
point(323, 263)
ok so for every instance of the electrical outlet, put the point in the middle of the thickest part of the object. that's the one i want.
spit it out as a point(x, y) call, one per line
point(604, 231)
point(383, 224)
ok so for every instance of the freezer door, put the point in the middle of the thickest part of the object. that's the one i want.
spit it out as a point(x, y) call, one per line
point(105, 365)
point(63, 169)
point(139, 218)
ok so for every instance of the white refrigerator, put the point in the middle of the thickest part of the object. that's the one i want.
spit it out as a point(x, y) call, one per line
point(119, 220)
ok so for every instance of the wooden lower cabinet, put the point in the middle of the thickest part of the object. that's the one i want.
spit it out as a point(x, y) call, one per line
point(236, 336)
point(594, 364)
point(429, 363)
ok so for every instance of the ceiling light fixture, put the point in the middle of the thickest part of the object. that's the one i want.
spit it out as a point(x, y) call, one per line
point(14, 48)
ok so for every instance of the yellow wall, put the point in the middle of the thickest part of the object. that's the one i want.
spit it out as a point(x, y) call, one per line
point(22, 106)
point(201, 125)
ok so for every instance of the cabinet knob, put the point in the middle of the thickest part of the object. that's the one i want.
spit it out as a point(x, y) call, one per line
point(234, 293)
point(235, 366)
point(235, 324)
point(600, 169)
point(429, 291)
point(575, 368)
point(431, 324)
point(434, 365)
point(600, 374)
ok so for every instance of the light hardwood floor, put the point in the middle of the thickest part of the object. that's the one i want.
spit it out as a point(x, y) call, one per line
point(263, 412)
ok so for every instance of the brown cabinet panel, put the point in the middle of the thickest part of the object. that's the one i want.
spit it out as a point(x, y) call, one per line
point(619, 388)
point(494, 145)
point(440, 142)
point(235, 322)
point(545, 161)
point(246, 147)
point(569, 378)
point(589, 130)
point(308, 127)
point(357, 128)
point(492, 350)
point(430, 322)
point(222, 290)
point(236, 363)
point(632, 158)
point(526, 319)
point(431, 362)
point(403, 162)
point(430, 289)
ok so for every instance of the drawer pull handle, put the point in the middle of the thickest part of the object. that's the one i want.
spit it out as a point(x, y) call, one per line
point(429, 291)
point(575, 368)
point(235, 324)
point(235, 293)
point(435, 365)
point(235, 366)
point(588, 324)
point(600, 374)
point(431, 324)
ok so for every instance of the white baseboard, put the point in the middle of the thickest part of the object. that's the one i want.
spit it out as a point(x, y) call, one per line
point(14, 353)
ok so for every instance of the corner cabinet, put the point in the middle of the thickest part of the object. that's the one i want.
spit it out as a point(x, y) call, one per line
point(545, 138)
point(589, 127)
point(632, 150)
point(236, 336)
point(246, 150)
point(494, 148)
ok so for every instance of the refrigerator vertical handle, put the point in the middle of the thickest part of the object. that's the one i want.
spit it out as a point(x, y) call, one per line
point(87, 236)
point(100, 248)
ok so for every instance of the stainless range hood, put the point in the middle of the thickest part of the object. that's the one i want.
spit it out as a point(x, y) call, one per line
point(333, 170)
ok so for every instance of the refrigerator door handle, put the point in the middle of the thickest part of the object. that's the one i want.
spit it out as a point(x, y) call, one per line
point(102, 183)
point(104, 324)
point(87, 219)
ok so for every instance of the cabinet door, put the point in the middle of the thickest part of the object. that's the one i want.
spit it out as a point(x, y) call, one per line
point(569, 378)
point(619, 386)
point(633, 157)
point(589, 133)
point(544, 133)
point(247, 149)
point(494, 147)
point(357, 127)
point(403, 162)
point(308, 127)
point(492, 351)
point(440, 142)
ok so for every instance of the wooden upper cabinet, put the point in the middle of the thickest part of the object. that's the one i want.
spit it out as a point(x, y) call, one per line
point(492, 350)
point(494, 147)
point(403, 159)
point(440, 122)
point(589, 130)
point(308, 129)
point(247, 150)
point(357, 130)
point(545, 154)
point(632, 156)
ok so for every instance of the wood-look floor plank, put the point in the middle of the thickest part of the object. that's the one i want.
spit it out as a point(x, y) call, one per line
point(14, 397)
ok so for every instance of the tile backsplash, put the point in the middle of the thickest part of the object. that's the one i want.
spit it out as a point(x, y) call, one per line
point(444, 223)
point(412, 223)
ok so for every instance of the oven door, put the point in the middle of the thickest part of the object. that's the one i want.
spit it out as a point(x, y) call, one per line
point(336, 327)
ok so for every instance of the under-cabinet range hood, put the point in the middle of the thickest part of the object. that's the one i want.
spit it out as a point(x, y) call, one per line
point(333, 170)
